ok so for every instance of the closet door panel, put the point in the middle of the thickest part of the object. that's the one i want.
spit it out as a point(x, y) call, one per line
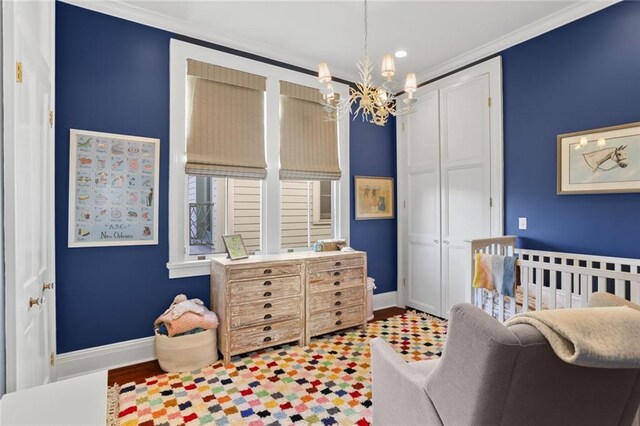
point(424, 277)
point(466, 186)
point(423, 206)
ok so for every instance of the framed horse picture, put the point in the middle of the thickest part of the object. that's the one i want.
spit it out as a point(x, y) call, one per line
point(599, 161)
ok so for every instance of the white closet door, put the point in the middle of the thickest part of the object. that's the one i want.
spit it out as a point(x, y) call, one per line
point(423, 206)
point(466, 181)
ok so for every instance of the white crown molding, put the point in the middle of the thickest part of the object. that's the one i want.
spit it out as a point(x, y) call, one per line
point(385, 300)
point(105, 357)
point(201, 32)
point(550, 22)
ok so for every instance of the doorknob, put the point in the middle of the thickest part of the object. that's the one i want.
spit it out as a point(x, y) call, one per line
point(35, 301)
point(445, 241)
point(47, 286)
point(436, 241)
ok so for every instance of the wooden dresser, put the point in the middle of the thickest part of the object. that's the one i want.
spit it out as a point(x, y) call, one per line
point(268, 300)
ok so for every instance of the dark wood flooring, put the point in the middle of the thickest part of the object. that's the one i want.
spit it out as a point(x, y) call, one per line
point(139, 372)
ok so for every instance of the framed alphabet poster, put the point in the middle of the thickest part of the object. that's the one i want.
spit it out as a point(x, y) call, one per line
point(113, 189)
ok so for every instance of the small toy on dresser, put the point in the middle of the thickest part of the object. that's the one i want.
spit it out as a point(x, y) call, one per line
point(185, 336)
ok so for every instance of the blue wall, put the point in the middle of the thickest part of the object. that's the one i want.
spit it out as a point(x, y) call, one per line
point(113, 76)
point(373, 153)
point(581, 76)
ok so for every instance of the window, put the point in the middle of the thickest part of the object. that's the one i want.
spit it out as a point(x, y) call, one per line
point(300, 201)
point(221, 206)
point(271, 214)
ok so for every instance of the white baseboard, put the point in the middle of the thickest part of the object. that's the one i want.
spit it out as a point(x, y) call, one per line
point(385, 300)
point(105, 357)
point(131, 352)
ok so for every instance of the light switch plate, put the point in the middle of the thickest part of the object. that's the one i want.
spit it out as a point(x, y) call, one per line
point(522, 223)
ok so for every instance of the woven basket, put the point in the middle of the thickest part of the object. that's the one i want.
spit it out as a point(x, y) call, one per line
point(186, 353)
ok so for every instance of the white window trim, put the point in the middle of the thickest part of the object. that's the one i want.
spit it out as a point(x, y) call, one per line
point(180, 263)
point(317, 197)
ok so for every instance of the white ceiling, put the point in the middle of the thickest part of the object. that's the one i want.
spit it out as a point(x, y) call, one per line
point(304, 33)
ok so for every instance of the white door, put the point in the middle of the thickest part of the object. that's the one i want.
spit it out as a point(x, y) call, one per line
point(423, 206)
point(28, 43)
point(466, 179)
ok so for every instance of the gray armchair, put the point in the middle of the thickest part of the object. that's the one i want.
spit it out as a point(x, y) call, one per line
point(491, 375)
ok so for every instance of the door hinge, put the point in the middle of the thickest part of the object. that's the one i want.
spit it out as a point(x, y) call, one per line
point(489, 101)
point(18, 72)
point(404, 204)
point(404, 282)
point(51, 119)
point(403, 126)
point(52, 359)
point(490, 201)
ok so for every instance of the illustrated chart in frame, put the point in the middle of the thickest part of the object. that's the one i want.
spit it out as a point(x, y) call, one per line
point(113, 189)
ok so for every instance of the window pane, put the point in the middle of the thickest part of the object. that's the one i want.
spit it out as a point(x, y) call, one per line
point(302, 225)
point(219, 206)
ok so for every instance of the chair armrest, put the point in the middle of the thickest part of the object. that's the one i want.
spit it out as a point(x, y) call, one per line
point(399, 397)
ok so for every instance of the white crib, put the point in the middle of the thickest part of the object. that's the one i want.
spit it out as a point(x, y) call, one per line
point(552, 280)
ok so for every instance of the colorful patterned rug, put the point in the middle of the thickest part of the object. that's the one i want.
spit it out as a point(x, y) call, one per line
point(325, 383)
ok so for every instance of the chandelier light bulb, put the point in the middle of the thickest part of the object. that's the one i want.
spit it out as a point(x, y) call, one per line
point(324, 76)
point(401, 54)
point(388, 67)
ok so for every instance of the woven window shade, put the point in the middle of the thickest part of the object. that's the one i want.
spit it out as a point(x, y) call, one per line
point(225, 110)
point(308, 141)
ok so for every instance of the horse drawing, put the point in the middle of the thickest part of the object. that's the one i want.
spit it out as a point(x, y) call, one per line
point(596, 159)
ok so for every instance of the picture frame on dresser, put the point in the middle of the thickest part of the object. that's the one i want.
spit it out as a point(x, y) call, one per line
point(234, 246)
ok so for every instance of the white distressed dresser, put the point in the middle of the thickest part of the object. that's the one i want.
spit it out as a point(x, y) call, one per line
point(268, 300)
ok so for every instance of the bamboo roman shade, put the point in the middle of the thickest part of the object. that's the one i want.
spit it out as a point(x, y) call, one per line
point(308, 141)
point(225, 112)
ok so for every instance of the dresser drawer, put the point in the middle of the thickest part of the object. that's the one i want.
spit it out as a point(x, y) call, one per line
point(336, 299)
point(331, 276)
point(264, 289)
point(265, 271)
point(252, 338)
point(253, 313)
point(335, 264)
point(336, 280)
point(336, 319)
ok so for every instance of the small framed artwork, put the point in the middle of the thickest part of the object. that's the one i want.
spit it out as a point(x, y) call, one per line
point(599, 161)
point(374, 197)
point(113, 189)
point(235, 246)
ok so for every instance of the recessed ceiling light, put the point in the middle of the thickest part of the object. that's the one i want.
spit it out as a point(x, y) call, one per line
point(401, 53)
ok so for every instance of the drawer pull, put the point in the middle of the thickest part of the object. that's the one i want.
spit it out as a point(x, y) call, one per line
point(267, 328)
point(336, 274)
point(336, 283)
point(267, 294)
point(267, 305)
point(338, 263)
point(267, 271)
point(338, 293)
point(268, 316)
point(266, 339)
point(338, 313)
point(338, 303)
point(338, 322)
point(267, 283)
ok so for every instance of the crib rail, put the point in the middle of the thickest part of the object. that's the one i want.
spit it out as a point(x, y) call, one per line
point(554, 280)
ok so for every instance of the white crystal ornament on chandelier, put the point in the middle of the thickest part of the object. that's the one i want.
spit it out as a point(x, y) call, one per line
point(374, 103)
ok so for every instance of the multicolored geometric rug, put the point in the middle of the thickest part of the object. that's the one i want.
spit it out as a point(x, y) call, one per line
point(325, 383)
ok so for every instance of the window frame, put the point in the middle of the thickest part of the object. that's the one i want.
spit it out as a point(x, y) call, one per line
point(180, 263)
point(317, 201)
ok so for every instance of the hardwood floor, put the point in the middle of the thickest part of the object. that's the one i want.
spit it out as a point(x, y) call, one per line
point(139, 372)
